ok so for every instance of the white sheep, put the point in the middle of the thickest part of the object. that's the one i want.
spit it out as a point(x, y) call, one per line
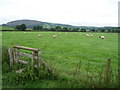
point(102, 37)
point(87, 35)
point(91, 35)
point(54, 36)
point(39, 35)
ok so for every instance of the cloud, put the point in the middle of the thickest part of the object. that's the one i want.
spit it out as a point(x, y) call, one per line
point(76, 12)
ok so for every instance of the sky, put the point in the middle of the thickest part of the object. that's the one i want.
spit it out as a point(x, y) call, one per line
point(73, 12)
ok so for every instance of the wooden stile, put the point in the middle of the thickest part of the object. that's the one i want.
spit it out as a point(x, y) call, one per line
point(36, 61)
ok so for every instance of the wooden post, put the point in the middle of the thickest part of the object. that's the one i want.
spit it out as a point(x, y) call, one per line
point(107, 72)
point(33, 59)
point(11, 57)
point(17, 55)
point(38, 60)
point(39, 57)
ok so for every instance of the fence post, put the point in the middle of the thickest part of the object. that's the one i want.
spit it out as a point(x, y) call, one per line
point(107, 72)
point(17, 55)
point(11, 57)
point(39, 57)
point(33, 59)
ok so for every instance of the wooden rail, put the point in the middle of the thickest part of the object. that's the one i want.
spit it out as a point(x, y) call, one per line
point(26, 48)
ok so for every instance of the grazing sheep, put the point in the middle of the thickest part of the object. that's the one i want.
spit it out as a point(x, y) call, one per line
point(65, 33)
point(87, 35)
point(91, 35)
point(54, 36)
point(39, 35)
point(102, 37)
point(0, 34)
point(24, 32)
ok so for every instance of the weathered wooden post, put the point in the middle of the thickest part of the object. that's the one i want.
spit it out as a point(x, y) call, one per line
point(107, 72)
point(16, 51)
point(39, 57)
point(38, 60)
point(17, 55)
point(11, 56)
point(33, 59)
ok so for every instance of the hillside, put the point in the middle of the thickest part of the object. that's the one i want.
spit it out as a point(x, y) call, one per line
point(32, 23)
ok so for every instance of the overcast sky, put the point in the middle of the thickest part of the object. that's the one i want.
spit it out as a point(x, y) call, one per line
point(73, 12)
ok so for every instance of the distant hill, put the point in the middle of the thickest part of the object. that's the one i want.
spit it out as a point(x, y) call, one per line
point(32, 23)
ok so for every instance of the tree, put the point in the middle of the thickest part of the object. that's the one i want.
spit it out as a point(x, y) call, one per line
point(34, 28)
point(58, 27)
point(17, 27)
point(93, 30)
point(103, 30)
point(20, 27)
point(23, 27)
point(38, 28)
point(65, 29)
point(4, 24)
point(83, 30)
point(75, 29)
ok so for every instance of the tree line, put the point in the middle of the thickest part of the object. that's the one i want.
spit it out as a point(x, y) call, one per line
point(22, 27)
point(74, 29)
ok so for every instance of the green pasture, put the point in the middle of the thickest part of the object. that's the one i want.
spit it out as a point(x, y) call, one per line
point(72, 55)
point(6, 28)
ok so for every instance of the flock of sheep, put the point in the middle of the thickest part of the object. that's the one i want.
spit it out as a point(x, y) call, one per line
point(53, 36)
point(88, 35)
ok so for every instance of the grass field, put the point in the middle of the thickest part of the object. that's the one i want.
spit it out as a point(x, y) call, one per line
point(79, 61)
point(6, 28)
